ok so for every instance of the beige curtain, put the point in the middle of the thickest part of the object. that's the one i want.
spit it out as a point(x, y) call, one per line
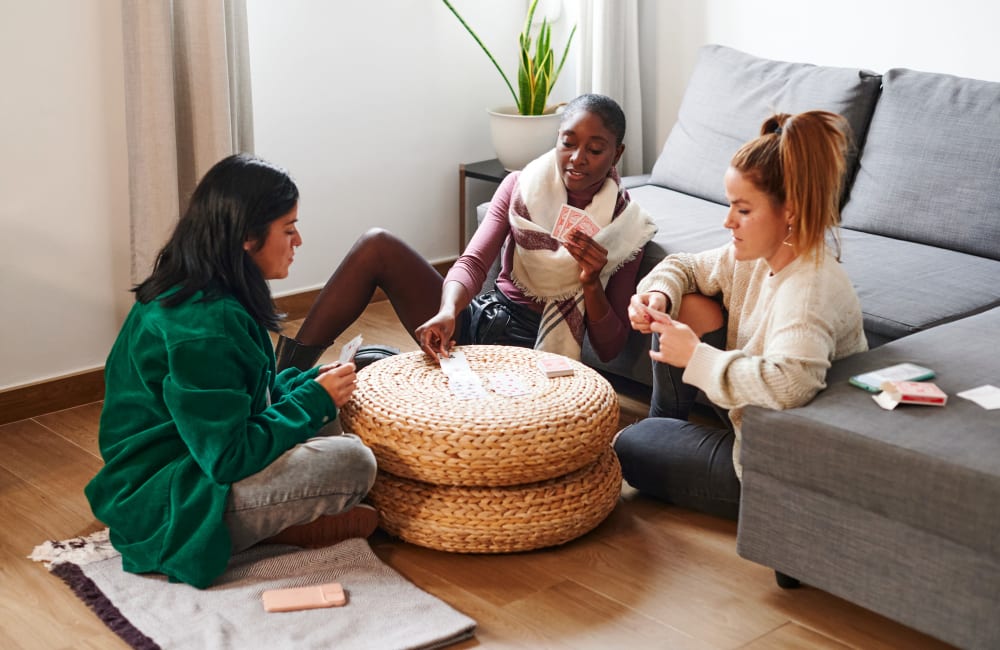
point(188, 104)
point(608, 42)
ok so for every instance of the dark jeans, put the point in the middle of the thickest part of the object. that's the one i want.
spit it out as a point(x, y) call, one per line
point(684, 463)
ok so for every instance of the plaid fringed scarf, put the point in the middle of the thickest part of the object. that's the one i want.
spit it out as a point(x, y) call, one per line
point(544, 270)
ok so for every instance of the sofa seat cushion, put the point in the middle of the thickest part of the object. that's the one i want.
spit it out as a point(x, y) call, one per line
point(935, 469)
point(930, 168)
point(905, 287)
point(731, 93)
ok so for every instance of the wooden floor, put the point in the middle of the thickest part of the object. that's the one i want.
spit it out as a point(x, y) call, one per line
point(650, 576)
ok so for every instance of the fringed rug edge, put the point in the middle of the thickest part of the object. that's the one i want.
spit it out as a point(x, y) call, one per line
point(87, 591)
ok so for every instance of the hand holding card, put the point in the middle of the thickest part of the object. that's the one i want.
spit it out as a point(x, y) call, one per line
point(654, 315)
point(350, 349)
point(571, 219)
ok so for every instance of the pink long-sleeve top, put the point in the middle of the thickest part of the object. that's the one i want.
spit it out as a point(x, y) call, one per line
point(607, 335)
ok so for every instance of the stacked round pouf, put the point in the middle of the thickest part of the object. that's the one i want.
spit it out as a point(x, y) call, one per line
point(493, 474)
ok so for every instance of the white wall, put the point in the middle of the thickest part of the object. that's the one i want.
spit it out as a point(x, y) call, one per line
point(370, 105)
point(372, 109)
point(956, 37)
point(63, 187)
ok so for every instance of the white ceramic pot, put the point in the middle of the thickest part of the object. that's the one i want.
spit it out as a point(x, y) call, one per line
point(519, 139)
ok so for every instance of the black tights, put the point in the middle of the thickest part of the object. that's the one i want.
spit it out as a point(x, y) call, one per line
point(378, 259)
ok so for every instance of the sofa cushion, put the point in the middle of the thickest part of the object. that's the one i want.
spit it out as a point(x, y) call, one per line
point(905, 287)
point(684, 224)
point(932, 468)
point(930, 168)
point(728, 97)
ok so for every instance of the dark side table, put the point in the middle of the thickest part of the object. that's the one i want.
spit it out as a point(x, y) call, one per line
point(484, 170)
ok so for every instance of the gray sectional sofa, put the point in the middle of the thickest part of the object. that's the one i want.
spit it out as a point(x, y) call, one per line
point(898, 511)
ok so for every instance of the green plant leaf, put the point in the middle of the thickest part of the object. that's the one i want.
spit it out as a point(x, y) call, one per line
point(531, 14)
point(524, 84)
point(544, 39)
point(565, 52)
point(535, 78)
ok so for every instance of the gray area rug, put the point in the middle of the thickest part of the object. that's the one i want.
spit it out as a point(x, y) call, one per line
point(383, 610)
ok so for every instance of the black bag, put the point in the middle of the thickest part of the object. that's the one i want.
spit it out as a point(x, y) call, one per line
point(369, 354)
point(493, 319)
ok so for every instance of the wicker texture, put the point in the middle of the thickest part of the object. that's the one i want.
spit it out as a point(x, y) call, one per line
point(499, 519)
point(405, 412)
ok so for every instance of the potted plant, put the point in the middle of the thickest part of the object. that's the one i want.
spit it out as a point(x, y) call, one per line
point(527, 129)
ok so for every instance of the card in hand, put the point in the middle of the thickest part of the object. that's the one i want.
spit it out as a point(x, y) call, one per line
point(567, 213)
point(587, 225)
point(350, 349)
point(571, 219)
point(456, 364)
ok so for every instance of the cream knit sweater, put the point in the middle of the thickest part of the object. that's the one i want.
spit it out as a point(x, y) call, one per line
point(784, 330)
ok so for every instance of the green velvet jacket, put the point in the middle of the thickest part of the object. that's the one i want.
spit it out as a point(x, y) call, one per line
point(191, 406)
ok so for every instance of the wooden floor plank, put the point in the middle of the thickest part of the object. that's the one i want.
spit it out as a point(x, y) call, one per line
point(48, 615)
point(496, 579)
point(794, 637)
point(855, 626)
point(78, 425)
point(571, 614)
point(44, 460)
point(662, 573)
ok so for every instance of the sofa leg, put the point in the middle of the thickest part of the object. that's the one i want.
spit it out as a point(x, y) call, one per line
point(786, 581)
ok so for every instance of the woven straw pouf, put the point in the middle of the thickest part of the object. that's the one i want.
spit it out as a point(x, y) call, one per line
point(494, 474)
point(499, 519)
point(405, 412)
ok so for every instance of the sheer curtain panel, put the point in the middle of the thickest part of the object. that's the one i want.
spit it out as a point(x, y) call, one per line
point(609, 64)
point(188, 104)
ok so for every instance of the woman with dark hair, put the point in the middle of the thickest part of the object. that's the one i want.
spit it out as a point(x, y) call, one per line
point(548, 295)
point(206, 450)
point(791, 311)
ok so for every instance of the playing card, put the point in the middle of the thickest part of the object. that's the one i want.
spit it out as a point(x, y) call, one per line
point(986, 396)
point(567, 214)
point(463, 383)
point(587, 225)
point(508, 384)
point(571, 219)
point(466, 386)
point(350, 349)
point(455, 364)
point(663, 317)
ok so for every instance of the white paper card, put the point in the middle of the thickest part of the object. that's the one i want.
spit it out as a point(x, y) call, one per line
point(986, 396)
point(455, 364)
point(885, 400)
point(508, 384)
point(350, 349)
point(463, 383)
point(466, 386)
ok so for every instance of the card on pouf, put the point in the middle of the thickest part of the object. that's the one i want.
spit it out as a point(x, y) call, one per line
point(555, 366)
